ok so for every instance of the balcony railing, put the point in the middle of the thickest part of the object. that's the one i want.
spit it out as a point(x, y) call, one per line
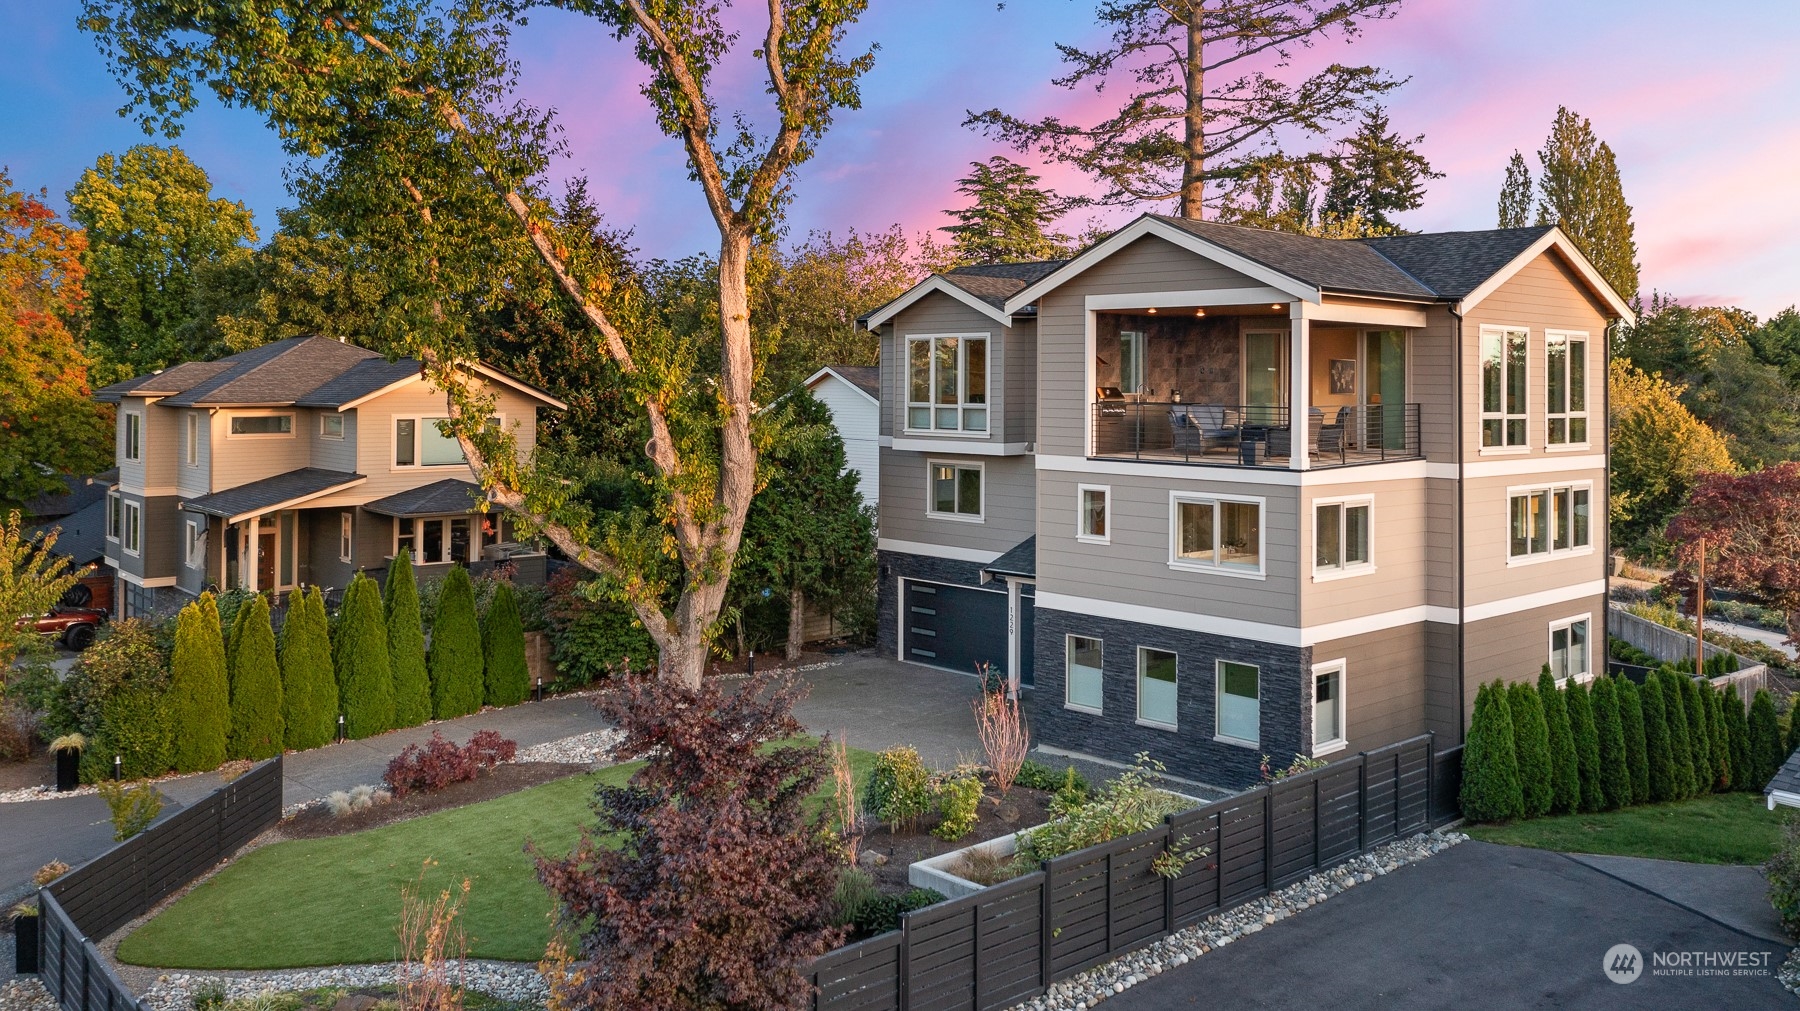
point(1248, 435)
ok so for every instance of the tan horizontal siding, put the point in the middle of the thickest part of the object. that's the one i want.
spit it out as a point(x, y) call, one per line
point(1515, 647)
point(1385, 684)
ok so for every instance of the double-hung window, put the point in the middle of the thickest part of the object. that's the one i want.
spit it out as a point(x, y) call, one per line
point(946, 383)
point(115, 516)
point(133, 521)
point(955, 490)
point(1503, 396)
point(1328, 708)
point(1565, 379)
point(346, 536)
point(1342, 537)
point(1216, 534)
point(1158, 687)
point(1095, 520)
point(193, 439)
point(1569, 648)
point(1551, 521)
point(134, 435)
point(1086, 674)
point(1239, 706)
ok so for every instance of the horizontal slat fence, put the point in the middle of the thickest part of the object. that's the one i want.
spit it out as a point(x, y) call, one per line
point(126, 881)
point(1008, 943)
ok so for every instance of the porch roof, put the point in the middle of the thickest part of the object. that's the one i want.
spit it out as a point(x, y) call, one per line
point(435, 499)
point(1020, 560)
point(271, 493)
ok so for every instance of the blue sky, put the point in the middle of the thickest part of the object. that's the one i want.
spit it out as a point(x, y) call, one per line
point(1698, 104)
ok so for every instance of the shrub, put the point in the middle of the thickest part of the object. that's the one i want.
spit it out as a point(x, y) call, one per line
point(1609, 728)
point(1631, 721)
point(1659, 755)
point(958, 800)
point(1531, 738)
point(591, 635)
point(230, 602)
point(1127, 804)
point(1737, 723)
point(434, 947)
point(209, 995)
point(1035, 775)
point(1783, 872)
point(899, 789)
point(17, 730)
point(1681, 748)
point(133, 805)
point(365, 676)
point(255, 677)
point(199, 695)
point(358, 798)
point(117, 698)
point(309, 693)
point(49, 872)
point(1587, 744)
point(406, 643)
point(1490, 782)
point(1565, 777)
point(854, 891)
point(1073, 791)
point(1699, 720)
point(1299, 764)
point(440, 763)
point(507, 679)
point(454, 660)
point(1005, 739)
point(1765, 739)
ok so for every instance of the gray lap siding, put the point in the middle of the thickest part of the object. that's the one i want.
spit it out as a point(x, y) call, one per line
point(1190, 750)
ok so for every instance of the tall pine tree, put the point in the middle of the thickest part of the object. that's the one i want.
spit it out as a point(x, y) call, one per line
point(1717, 733)
point(199, 694)
point(1615, 769)
point(1765, 739)
point(1699, 721)
point(1681, 746)
point(1565, 777)
point(406, 643)
point(1578, 188)
point(1659, 753)
point(507, 678)
point(1007, 217)
point(1743, 765)
point(256, 705)
point(1515, 194)
point(364, 675)
point(309, 695)
point(1490, 784)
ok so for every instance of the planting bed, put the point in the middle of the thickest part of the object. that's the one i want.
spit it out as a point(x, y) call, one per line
point(315, 821)
point(1020, 809)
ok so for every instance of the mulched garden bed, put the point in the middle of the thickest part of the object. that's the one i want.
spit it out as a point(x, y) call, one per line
point(317, 821)
point(1021, 809)
point(38, 770)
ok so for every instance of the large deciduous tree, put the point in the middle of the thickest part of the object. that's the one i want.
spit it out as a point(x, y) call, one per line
point(1204, 95)
point(1750, 526)
point(401, 119)
point(1659, 450)
point(1007, 215)
point(1578, 188)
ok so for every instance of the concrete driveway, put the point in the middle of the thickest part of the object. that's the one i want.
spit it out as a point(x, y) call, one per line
point(1477, 926)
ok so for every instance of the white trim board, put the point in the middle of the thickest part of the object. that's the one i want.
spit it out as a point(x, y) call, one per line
point(949, 551)
point(1537, 466)
point(966, 446)
point(1185, 299)
point(1406, 470)
point(835, 374)
point(937, 284)
point(156, 583)
point(1529, 601)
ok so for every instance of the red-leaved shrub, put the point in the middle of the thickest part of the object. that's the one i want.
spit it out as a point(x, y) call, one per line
point(440, 763)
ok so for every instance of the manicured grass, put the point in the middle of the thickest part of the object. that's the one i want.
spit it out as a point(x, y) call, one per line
point(1722, 828)
point(329, 901)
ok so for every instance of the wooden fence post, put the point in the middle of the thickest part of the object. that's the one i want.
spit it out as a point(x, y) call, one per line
point(1046, 933)
point(1268, 799)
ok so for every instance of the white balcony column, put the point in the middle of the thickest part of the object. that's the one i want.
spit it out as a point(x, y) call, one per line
point(1015, 621)
point(1300, 387)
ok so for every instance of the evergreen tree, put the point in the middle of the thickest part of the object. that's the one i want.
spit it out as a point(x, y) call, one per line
point(256, 703)
point(1717, 731)
point(1587, 745)
point(1657, 749)
point(364, 675)
point(1578, 188)
point(406, 643)
point(1615, 768)
point(1637, 758)
point(1699, 721)
point(1490, 784)
point(1765, 740)
point(1377, 174)
point(309, 694)
point(1565, 777)
point(1007, 216)
point(454, 660)
point(1515, 194)
point(1793, 734)
point(508, 680)
point(1531, 736)
point(199, 696)
point(1681, 749)
point(1743, 776)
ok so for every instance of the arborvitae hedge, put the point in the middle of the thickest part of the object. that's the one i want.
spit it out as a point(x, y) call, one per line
point(1565, 777)
point(1793, 735)
point(1743, 776)
point(508, 679)
point(1765, 739)
point(1699, 721)
point(1637, 759)
point(256, 722)
point(1587, 745)
point(1615, 772)
point(309, 695)
point(406, 643)
point(1531, 738)
point(365, 678)
point(1490, 785)
point(199, 696)
point(1659, 753)
point(455, 657)
point(1681, 749)
point(1716, 732)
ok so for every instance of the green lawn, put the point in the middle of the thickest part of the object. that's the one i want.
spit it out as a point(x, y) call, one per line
point(328, 901)
point(1722, 828)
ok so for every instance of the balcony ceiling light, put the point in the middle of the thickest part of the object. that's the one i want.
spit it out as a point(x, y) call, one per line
point(1199, 312)
point(1152, 310)
point(1274, 305)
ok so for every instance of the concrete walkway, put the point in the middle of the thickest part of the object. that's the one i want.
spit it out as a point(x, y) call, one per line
point(1735, 896)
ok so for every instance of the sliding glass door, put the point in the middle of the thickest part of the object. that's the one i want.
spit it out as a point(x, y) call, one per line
point(1384, 385)
point(1265, 376)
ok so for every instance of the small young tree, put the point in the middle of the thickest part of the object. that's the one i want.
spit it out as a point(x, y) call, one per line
point(1637, 757)
point(406, 643)
point(1699, 721)
point(309, 694)
point(1615, 771)
point(1531, 736)
point(1587, 745)
point(706, 883)
point(1658, 752)
point(364, 676)
point(508, 679)
point(1565, 777)
point(1765, 739)
point(1005, 739)
point(1737, 723)
point(256, 704)
point(199, 696)
point(32, 575)
point(1681, 749)
point(1717, 733)
point(1490, 785)
point(455, 658)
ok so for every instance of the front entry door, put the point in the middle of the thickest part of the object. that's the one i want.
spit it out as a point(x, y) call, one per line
point(265, 557)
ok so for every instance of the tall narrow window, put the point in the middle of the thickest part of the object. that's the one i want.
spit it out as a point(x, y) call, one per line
point(1239, 707)
point(1084, 689)
point(1158, 687)
point(346, 538)
point(946, 383)
point(405, 442)
point(1131, 361)
point(196, 541)
point(1503, 399)
point(1096, 514)
point(193, 439)
point(1569, 648)
point(1328, 707)
point(1566, 388)
point(133, 524)
point(115, 516)
point(134, 436)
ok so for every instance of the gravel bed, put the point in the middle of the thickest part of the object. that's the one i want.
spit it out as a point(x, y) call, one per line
point(509, 981)
point(1078, 993)
point(1788, 974)
point(26, 793)
point(594, 747)
point(25, 993)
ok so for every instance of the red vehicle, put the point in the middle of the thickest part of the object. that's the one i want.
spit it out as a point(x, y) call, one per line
point(74, 626)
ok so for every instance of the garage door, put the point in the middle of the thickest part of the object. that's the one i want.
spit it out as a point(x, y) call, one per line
point(957, 627)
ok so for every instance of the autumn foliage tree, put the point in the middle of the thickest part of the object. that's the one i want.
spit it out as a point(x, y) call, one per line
point(1750, 524)
point(706, 882)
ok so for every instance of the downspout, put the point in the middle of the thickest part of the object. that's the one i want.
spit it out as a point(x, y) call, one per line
point(1462, 578)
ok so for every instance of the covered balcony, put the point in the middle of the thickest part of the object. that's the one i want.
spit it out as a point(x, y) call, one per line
point(1251, 386)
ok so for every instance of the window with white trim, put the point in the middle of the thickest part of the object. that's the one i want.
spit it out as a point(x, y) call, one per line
point(262, 424)
point(406, 537)
point(331, 426)
point(955, 491)
point(1503, 396)
point(134, 435)
point(1216, 534)
point(196, 543)
point(1083, 689)
point(115, 516)
point(1569, 648)
point(1342, 536)
point(1328, 708)
point(193, 439)
point(1239, 706)
point(1094, 524)
point(130, 536)
point(1546, 522)
point(946, 383)
point(419, 442)
point(1158, 686)
point(346, 536)
point(1565, 379)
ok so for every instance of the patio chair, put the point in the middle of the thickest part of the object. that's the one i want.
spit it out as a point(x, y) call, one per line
point(1281, 439)
point(1332, 439)
point(1201, 427)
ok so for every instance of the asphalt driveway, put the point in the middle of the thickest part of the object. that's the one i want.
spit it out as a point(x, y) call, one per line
point(1477, 926)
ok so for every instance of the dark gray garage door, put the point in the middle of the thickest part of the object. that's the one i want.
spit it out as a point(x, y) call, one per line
point(956, 627)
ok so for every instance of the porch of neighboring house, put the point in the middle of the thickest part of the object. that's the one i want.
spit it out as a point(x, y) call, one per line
point(1223, 385)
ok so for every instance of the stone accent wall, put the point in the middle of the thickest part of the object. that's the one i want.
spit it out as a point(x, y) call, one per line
point(1190, 751)
point(1199, 357)
point(894, 566)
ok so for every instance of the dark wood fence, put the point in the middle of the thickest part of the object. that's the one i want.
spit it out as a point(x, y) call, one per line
point(1008, 943)
point(123, 883)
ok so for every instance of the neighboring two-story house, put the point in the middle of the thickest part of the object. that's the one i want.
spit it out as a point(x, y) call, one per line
point(1217, 493)
point(297, 463)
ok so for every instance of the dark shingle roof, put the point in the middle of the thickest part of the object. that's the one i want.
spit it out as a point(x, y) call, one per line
point(994, 283)
point(261, 496)
point(81, 535)
point(1326, 263)
point(279, 373)
point(435, 499)
point(1021, 560)
point(1787, 778)
point(363, 378)
point(77, 493)
point(1454, 264)
point(866, 378)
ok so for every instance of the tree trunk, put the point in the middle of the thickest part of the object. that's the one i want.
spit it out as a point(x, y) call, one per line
point(1193, 182)
point(796, 623)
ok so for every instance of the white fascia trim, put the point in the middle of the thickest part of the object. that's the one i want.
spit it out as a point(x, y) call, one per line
point(1312, 635)
point(397, 384)
point(1170, 299)
point(1554, 238)
point(159, 581)
point(1409, 470)
point(491, 373)
point(1542, 598)
point(1780, 797)
point(1147, 225)
point(1535, 465)
point(936, 283)
point(957, 446)
point(829, 371)
point(1367, 315)
point(1279, 635)
point(949, 551)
